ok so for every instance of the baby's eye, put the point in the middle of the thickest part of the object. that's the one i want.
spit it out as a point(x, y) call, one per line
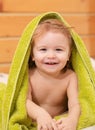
point(59, 49)
point(43, 49)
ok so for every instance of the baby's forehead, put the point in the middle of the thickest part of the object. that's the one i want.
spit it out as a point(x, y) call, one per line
point(52, 39)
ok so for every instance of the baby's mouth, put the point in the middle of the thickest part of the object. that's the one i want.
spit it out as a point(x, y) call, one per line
point(51, 63)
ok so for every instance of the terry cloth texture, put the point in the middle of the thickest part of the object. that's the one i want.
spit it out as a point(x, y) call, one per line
point(13, 115)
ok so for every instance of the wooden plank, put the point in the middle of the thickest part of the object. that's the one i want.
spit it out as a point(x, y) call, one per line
point(66, 6)
point(14, 24)
point(5, 68)
point(1, 5)
point(82, 24)
point(8, 47)
point(90, 45)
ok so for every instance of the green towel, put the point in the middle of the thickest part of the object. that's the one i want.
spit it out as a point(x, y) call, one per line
point(13, 115)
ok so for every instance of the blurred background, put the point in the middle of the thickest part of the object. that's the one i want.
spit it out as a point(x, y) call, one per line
point(16, 14)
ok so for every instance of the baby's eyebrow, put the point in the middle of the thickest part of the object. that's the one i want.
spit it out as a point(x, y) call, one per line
point(41, 47)
point(61, 47)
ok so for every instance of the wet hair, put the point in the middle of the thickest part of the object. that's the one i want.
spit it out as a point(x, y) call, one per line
point(50, 25)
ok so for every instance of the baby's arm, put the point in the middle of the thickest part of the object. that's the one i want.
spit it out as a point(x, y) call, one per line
point(73, 101)
point(71, 121)
point(37, 113)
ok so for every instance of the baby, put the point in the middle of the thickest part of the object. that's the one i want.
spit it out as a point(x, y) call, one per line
point(53, 85)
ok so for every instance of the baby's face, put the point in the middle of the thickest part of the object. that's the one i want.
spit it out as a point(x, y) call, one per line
point(51, 52)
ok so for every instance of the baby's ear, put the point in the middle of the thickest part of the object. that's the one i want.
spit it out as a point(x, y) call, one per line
point(68, 59)
point(33, 58)
point(68, 56)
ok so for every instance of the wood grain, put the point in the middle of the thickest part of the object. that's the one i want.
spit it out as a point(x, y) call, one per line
point(82, 24)
point(66, 6)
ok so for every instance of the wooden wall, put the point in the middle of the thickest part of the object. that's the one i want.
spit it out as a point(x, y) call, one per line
point(15, 14)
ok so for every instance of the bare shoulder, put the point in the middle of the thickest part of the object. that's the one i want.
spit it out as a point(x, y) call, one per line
point(73, 80)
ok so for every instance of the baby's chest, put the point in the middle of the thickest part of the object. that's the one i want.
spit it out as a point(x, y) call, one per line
point(49, 94)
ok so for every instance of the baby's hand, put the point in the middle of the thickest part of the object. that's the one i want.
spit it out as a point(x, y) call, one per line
point(45, 121)
point(66, 123)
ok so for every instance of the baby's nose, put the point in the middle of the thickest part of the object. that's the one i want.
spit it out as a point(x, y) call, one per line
point(51, 54)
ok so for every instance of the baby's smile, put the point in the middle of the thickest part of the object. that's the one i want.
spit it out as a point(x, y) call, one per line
point(51, 63)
